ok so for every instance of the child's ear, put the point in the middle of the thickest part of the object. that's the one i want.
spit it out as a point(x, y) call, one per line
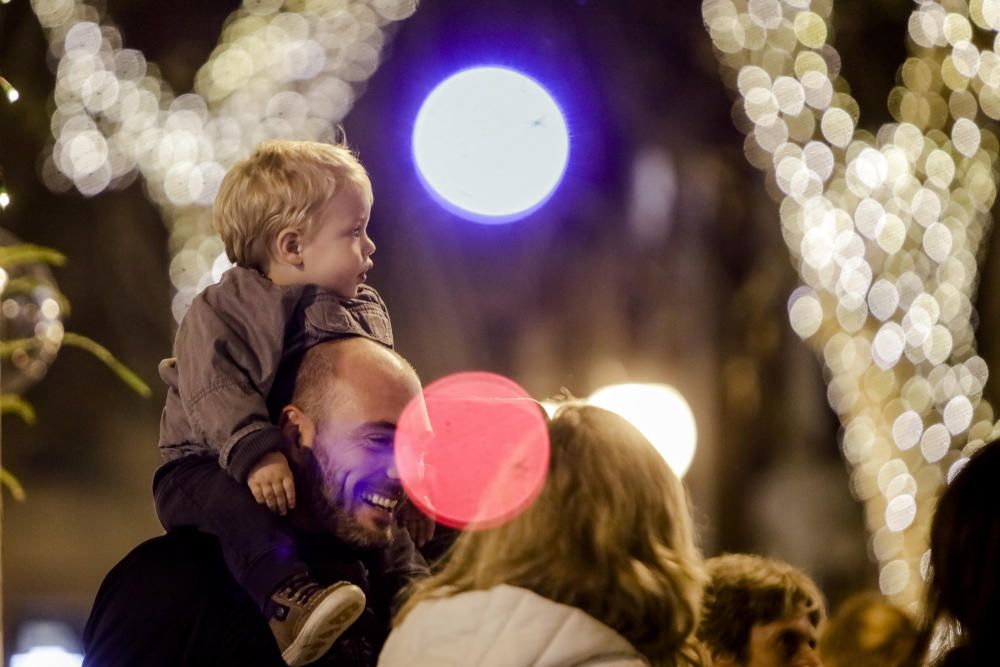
point(288, 246)
point(297, 427)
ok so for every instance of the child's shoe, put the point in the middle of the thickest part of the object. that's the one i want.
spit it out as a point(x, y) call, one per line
point(308, 617)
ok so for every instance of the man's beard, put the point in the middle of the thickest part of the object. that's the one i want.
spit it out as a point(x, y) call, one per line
point(343, 525)
point(327, 510)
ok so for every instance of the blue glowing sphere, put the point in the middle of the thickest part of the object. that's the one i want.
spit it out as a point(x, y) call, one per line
point(490, 144)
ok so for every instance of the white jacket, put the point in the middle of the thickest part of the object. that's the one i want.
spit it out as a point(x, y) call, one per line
point(504, 627)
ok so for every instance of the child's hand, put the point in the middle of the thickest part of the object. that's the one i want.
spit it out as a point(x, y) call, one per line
point(417, 524)
point(270, 481)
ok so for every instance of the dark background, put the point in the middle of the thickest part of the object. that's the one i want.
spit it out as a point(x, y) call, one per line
point(573, 296)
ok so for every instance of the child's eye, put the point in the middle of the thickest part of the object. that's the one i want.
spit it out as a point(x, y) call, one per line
point(357, 230)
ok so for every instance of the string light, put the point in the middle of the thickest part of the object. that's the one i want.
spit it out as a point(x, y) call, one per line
point(12, 96)
point(884, 230)
point(9, 90)
point(281, 70)
point(4, 195)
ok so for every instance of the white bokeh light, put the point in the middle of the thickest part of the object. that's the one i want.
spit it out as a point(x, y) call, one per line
point(660, 413)
point(46, 656)
point(886, 227)
point(281, 70)
point(490, 144)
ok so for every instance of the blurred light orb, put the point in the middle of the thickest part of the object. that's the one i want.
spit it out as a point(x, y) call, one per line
point(474, 452)
point(490, 144)
point(46, 656)
point(660, 413)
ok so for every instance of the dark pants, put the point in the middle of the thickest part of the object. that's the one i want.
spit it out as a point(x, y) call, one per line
point(257, 544)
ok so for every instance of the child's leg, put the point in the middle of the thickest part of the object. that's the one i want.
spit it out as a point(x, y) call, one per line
point(305, 617)
point(258, 544)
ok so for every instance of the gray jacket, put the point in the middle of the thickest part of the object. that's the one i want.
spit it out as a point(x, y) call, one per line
point(229, 348)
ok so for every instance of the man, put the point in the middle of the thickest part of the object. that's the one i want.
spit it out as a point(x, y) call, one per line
point(172, 601)
point(760, 612)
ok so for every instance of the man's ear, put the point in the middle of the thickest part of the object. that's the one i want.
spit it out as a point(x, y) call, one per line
point(288, 246)
point(298, 429)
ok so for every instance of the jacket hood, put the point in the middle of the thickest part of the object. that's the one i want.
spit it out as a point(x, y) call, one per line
point(504, 627)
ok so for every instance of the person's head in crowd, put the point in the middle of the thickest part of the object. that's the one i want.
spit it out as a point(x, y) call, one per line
point(760, 612)
point(609, 534)
point(341, 423)
point(869, 631)
point(963, 592)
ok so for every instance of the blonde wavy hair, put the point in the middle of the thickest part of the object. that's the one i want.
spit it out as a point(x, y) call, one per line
point(282, 184)
point(610, 534)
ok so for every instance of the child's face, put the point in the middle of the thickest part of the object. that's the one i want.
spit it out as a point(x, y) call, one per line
point(337, 256)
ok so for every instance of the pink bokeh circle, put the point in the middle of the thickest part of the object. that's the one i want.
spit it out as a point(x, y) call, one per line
point(478, 455)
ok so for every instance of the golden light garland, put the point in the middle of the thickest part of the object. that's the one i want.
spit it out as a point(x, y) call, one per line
point(886, 231)
point(281, 70)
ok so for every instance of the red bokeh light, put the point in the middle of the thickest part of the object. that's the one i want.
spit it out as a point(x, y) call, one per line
point(479, 454)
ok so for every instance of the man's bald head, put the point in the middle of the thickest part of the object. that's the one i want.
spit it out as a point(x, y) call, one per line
point(350, 369)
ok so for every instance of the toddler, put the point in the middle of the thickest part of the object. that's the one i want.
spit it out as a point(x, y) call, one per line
point(294, 220)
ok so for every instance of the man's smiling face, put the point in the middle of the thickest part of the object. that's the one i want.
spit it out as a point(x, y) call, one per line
point(345, 467)
point(360, 489)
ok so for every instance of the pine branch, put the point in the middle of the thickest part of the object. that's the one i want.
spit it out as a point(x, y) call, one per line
point(28, 253)
point(11, 482)
point(117, 367)
point(17, 405)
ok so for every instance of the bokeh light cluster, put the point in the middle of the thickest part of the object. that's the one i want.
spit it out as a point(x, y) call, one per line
point(886, 231)
point(281, 70)
point(31, 312)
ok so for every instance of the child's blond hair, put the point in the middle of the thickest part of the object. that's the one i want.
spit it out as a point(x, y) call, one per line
point(282, 184)
point(610, 534)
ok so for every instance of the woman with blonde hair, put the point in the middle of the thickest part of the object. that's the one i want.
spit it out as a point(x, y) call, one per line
point(601, 569)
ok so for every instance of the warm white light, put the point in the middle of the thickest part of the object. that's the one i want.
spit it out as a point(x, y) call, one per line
point(491, 144)
point(660, 413)
point(281, 70)
point(46, 656)
point(9, 90)
point(885, 227)
point(550, 407)
point(4, 199)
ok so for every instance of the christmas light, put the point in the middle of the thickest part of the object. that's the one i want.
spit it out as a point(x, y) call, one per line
point(279, 71)
point(885, 230)
point(4, 196)
point(9, 90)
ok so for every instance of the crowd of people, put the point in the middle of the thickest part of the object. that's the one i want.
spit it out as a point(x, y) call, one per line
point(289, 539)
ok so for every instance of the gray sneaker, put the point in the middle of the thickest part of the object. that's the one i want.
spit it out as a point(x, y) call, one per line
point(309, 617)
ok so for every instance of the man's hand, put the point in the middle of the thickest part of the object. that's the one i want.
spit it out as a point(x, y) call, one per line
point(417, 524)
point(270, 481)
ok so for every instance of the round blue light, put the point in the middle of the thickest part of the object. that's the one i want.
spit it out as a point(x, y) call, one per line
point(490, 144)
